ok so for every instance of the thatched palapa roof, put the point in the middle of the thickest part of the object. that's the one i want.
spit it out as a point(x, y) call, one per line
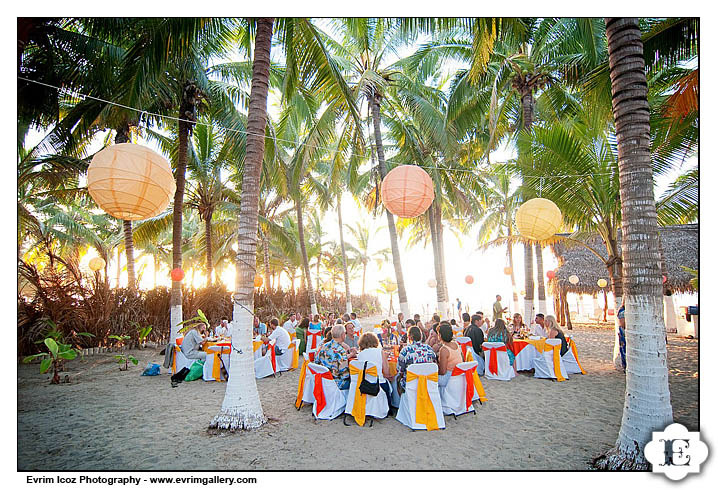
point(680, 248)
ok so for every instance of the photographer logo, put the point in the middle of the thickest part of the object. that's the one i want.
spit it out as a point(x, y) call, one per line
point(676, 452)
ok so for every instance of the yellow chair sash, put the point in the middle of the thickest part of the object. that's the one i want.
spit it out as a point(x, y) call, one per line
point(300, 390)
point(359, 408)
point(295, 357)
point(575, 354)
point(216, 373)
point(256, 344)
point(556, 359)
point(174, 360)
point(425, 413)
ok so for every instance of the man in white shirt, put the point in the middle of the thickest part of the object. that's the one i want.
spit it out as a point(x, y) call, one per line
point(539, 329)
point(223, 329)
point(297, 320)
point(280, 335)
point(355, 321)
point(289, 324)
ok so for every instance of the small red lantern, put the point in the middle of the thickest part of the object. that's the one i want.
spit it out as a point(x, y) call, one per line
point(507, 271)
point(469, 279)
point(258, 281)
point(664, 279)
point(550, 274)
point(177, 274)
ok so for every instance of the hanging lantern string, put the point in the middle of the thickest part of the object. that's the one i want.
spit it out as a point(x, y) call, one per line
point(142, 112)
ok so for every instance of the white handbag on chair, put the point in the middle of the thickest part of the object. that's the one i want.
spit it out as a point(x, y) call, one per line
point(497, 364)
point(544, 364)
point(407, 413)
point(375, 406)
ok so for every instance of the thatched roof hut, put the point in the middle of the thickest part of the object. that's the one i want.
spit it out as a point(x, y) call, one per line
point(680, 248)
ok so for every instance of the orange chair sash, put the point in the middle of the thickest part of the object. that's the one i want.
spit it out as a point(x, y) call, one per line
point(425, 413)
point(270, 347)
point(493, 362)
point(312, 338)
point(464, 349)
point(319, 388)
point(359, 408)
point(572, 344)
point(472, 382)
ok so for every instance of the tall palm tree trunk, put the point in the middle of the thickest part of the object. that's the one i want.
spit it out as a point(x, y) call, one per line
point(208, 246)
point(444, 300)
point(122, 135)
point(375, 102)
point(344, 256)
point(119, 268)
point(305, 260)
point(186, 113)
point(267, 272)
point(528, 280)
point(435, 251)
point(540, 282)
point(647, 405)
point(241, 408)
point(510, 255)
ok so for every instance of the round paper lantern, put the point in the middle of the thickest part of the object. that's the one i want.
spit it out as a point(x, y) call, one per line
point(96, 263)
point(469, 279)
point(407, 191)
point(177, 274)
point(538, 219)
point(431, 283)
point(391, 287)
point(664, 279)
point(507, 271)
point(551, 274)
point(130, 181)
point(602, 283)
point(258, 281)
point(523, 293)
point(573, 279)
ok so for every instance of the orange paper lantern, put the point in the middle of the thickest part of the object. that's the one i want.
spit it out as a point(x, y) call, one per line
point(469, 279)
point(507, 271)
point(177, 274)
point(96, 263)
point(407, 191)
point(550, 274)
point(130, 181)
point(258, 281)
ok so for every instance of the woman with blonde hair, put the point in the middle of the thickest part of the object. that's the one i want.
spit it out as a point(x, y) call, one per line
point(555, 332)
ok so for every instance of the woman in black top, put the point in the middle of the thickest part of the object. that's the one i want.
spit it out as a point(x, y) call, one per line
point(555, 332)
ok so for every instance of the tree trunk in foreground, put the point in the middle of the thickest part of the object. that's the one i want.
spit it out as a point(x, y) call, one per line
point(528, 280)
point(443, 305)
point(265, 249)
point(305, 260)
point(396, 258)
point(241, 408)
point(344, 255)
point(510, 254)
point(435, 249)
point(208, 245)
point(647, 405)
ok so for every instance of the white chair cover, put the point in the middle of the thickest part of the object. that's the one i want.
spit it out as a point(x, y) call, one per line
point(407, 403)
point(181, 361)
point(569, 360)
point(464, 344)
point(284, 362)
point(308, 393)
point(258, 352)
point(263, 366)
point(543, 365)
point(314, 340)
point(208, 371)
point(525, 359)
point(376, 406)
point(335, 399)
point(505, 372)
point(453, 395)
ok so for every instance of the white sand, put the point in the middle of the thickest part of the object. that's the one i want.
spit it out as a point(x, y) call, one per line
point(111, 420)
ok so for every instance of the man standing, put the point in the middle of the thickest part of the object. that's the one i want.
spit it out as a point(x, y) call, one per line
point(458, 306)
point(498, 309)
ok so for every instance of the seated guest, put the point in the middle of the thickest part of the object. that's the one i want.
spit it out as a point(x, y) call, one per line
point(410, 323)
point(433, 340)
point(476, 335)
point(466, 319)
point(449, 353)
point(417, 321)
point(555, 332)
point(327, 334)
point(499, 333)
point(539, 329)
point(416, 352)
point(331, 319)
point(452, 322)
point(289, 324)
point(369, 350)
point(258, 329)
point(280, 335)
point(355, 321)
point(301, 331)
point(351, 340)
point(517, 324)
point(193, 342)
point(485, 325)
point(333, 356)
point(400, 325)
point(223, 329)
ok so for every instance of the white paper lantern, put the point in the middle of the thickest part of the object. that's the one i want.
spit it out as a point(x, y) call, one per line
point(431, 283)
point(130, 181)
point(96, 264)
point(538, 219)
point(573, 279)
point(602, 283)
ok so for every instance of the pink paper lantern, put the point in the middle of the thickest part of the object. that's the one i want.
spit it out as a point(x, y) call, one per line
point(664, 279)
point(407, 191)
point(550, 274)
point(469, 279)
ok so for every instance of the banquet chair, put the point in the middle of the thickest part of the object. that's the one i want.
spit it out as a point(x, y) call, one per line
point(286, 360)
point(544, 364)
point(314, 342)
point(305, 390)
point(212, 365)
point(496, 357)
point(267, 364)
point(329, 401)
point(257, 347)
point(570, 359)
point(376, 407)
point(453, 395)
point(180, 360)
point(419, 410)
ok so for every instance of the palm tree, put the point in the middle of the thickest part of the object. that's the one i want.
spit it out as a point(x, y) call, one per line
point(647, 405)
point(361, 252)
point(241, 408)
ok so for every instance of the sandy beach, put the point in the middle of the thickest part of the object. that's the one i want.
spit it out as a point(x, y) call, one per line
point(105, 419)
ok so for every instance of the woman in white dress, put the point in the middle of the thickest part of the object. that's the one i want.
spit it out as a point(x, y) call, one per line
point(370, 350)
